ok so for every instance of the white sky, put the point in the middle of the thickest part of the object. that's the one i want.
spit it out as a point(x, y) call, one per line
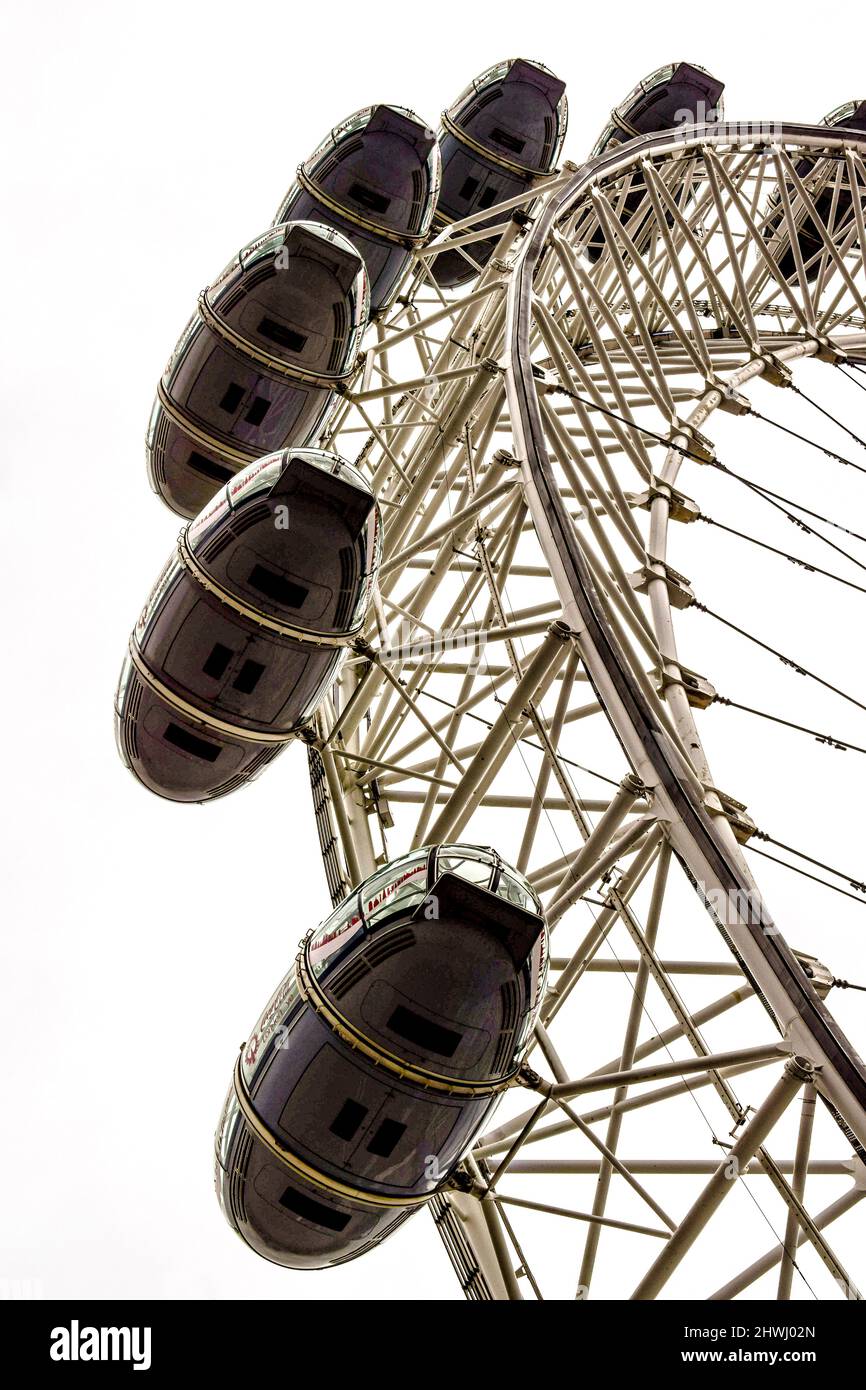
point(142, 146)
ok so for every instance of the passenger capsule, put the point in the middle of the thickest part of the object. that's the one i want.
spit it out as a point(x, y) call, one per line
point(259, 362)
point(246, 625)
point(678, 94)
point(380, 1055)
point(376, 179)
point(505, 130)
point(830, 206)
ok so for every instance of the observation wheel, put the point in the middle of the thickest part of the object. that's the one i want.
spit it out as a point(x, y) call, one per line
point(545, 443)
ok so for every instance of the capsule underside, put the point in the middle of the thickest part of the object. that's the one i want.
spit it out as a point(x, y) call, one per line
point(830, 205)
point(371, 1071)
point(256, 368)
point(376, 183)
point(286, 1218)
point(495, 141)
point(241, 636)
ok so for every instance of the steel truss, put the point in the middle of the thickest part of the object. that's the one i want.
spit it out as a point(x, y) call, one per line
point(519, 684)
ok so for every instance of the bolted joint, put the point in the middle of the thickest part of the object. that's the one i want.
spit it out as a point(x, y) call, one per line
point(362, 648)
point(680, 593)
point(700, 692)
point(463, 1181)
point(561, 630)
point(528, 1077)
point(632, 783)
point(697, 444)
point(680, 507)
point(720, 803)
point(821, 977)
point(376, 805)
point(829, 352)
point(775, 372)
point(730, 401)
point(799, 1069)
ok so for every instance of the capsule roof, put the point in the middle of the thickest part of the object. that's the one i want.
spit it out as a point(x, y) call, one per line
point(352, 145)
point(404, 883)
point(279, 249)
point(851, 114)
point(260, 479)
point(660, 101)
point(524, 131)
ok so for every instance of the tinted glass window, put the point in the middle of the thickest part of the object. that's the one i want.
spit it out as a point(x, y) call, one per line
point(468, 863)
point(513, 887)
point(334, 934)
point(401, 886)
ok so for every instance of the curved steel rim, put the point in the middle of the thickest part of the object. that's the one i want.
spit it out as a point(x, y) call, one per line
point(771, 968)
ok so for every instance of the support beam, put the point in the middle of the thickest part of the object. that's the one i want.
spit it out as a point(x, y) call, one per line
point(716, 1061)
point(761, 1266)
point(635, 1017)
point(797, 1071)
point(595, 1221)
point(677, 1168)
point(627, 841)
point(589, 854)
point(497, 745)
point(798, 1186)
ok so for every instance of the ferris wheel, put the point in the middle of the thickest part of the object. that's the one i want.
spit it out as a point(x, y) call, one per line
point(507, 707)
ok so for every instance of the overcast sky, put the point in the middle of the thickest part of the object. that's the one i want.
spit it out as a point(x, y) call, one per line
point(143, 144)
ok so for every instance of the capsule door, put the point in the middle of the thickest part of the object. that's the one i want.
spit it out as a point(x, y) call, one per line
point(258, 365)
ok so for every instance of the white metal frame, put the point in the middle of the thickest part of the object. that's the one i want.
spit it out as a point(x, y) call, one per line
point(526, 439)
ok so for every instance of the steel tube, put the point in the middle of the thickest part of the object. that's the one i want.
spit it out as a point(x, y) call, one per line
point(796, 1072)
